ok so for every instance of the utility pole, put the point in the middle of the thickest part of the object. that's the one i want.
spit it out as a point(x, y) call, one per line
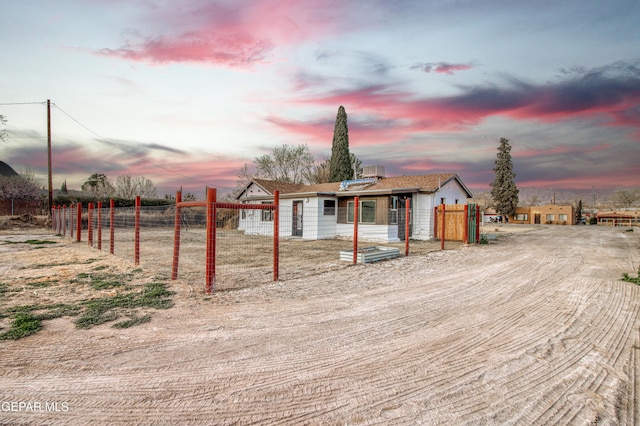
point(49, 154)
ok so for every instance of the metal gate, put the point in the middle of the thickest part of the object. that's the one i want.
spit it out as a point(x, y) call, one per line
point(472, 223)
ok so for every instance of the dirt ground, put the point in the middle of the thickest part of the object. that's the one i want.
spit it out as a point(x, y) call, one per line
point(534, 328)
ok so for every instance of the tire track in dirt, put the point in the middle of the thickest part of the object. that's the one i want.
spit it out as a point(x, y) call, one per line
point(522, 331)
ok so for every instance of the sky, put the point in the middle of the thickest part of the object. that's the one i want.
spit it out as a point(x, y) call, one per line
point(185, 93)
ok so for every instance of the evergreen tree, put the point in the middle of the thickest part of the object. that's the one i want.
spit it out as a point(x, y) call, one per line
point(579, 213)
point(63, 188)
point(340, 168)
point(503, 189)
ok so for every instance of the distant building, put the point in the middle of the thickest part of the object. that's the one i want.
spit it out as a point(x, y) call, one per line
point(619, 218)
point(549, 214)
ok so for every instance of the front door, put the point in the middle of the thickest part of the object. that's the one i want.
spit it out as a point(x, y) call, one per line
point(402, 215)
point(536, 218)
point(296, 231)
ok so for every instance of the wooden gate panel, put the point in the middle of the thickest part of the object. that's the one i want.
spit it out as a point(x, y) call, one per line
point(454, 218)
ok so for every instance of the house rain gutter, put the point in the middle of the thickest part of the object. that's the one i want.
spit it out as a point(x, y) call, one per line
point(377, 191)
point(308, 194)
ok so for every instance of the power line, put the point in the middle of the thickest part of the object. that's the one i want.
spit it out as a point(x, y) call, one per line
point(22, 103)
point(139, 156)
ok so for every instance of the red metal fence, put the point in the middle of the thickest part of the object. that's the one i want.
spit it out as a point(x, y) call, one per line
point(213, 239)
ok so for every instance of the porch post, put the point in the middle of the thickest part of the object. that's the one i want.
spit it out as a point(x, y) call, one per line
point(356, 201)
point(276, 236)
point(407, 216)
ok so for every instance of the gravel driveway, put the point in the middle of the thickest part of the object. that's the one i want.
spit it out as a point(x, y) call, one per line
point(536, 328)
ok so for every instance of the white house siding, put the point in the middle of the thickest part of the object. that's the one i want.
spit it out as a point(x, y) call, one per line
point(318, 226)
point(252, 223)
point(326, 225)
point(424, 208)
point(451, 192)
point(422, 217)
point(377, 233)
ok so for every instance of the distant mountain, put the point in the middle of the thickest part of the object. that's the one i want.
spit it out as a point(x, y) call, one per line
point(6, 170)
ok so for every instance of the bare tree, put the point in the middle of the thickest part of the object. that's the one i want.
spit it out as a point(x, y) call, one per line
point(244, 176)
point(20, 187)
point(128, 187)
point(483, 199)
point(98, 184)
point(3, 132)
point(533, 200)
point(320, 172)
point(626, 197)
point(286, 163)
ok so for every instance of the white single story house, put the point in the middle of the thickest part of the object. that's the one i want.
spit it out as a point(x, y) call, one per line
point(325, 211)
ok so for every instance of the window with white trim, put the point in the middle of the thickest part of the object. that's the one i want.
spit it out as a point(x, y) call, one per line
point(366, 211)
point(267, 215)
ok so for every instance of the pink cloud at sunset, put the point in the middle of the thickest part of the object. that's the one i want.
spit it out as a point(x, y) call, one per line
point(236, 34)
point(616, 95)
point(441, 67)
point(236, 50)
point(186, 93)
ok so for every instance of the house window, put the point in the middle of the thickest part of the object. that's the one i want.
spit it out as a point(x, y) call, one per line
point(393, 212)
point(522, 217)
point(443, 201)
point(267, 215)
point(550, 218)
point(366, 212)
point(456, 201)
point(329, 208)
point(563, 217)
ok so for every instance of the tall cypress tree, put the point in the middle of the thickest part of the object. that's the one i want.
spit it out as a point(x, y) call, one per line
point(503, 189)
point(340, 168)
point(579, 213)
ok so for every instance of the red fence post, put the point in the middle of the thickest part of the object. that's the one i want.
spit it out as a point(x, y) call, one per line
point(465, 238)
point(99, 225)
point(276, 236)
point(90, 224)
point(176, 238)
point(356, 201)
point(136, 243)
point(435, 223)
point(443, 227)
point(211, 240)
point(79, 223)
point(64, 220)
point(407, 216)
point(112, 228)
point(71, 221)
